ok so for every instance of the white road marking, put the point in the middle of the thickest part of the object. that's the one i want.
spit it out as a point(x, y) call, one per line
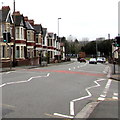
point(105, 90)
point(89, 71)
point(61, 115)
point(116, 98)
point(8, 72)
point(17, 82)
point(102, 95)
point(79, 66)
point(72, 108)
point(2, 85)
point(84, 97)
point(101, 99)
point(116, 94)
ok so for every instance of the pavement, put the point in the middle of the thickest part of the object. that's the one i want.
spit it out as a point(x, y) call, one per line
point(115, 75)
point(7, 69)
point(105, 110)
point(108, 109)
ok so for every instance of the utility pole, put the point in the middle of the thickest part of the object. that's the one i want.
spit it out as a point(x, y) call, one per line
point(58, 39)
point(14, 61)
point(96, 49)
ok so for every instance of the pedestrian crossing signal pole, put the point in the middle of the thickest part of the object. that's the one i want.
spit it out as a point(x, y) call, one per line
point(7, 39)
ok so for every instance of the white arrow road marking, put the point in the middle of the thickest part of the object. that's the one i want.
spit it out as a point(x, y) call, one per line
point(9, 83)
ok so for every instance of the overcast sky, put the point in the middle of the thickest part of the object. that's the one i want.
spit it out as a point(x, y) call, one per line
point(79, 18)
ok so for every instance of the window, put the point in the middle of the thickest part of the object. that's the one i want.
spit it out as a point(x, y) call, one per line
point(17, 52)
point(11, 29)
point(21, 33)
point(28, 36)
point(43, 40)
point(36, 38)
point(32, 36)
point(17, 33)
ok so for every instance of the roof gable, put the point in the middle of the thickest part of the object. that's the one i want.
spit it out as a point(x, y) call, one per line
point(6, 15)
point(38, 28)
point(19, 20)
point(29, 26)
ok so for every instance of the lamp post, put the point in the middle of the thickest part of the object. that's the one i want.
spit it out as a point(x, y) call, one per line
point(58, 26)
point(96, 49)
point(58, 37)
point(14, 33)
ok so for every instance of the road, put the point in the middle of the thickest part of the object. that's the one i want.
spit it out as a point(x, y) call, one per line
point(58, 91)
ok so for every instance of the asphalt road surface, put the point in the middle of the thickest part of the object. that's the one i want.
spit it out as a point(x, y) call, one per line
point(59, 91)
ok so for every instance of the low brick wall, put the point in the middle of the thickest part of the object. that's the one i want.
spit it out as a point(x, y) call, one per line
point(5, 64)
point(21, 62)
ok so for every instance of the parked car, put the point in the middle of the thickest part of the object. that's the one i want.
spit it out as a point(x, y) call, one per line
point(92, 61)
point(101, 59)
point(82, 60)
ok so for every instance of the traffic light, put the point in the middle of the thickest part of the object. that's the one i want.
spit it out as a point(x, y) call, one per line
point(6, 37)
point(117, 39)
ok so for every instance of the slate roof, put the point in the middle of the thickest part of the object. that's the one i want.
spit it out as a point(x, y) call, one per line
point(38, 28)
point(50, 35)
point(5, 15)
point(18, 20)
point(29, 26)
point(44, 32)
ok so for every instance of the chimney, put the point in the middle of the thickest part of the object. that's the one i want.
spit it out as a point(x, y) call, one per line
point(17, 13)
point(26, 18)
point(5, 8)
point(31, 22)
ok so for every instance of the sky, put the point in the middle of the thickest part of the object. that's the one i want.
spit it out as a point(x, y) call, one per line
point(79, 18)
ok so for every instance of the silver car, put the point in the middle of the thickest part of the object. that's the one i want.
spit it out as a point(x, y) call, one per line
point(92, 61)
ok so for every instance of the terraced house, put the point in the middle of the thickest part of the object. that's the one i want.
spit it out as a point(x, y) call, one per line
point(29, 42)
point(20, 38)
point(30, 38)
point(6, 25)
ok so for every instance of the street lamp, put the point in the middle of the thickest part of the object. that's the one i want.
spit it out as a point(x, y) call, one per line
point(96, 49)
point(58, 37)
point(58, 26)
